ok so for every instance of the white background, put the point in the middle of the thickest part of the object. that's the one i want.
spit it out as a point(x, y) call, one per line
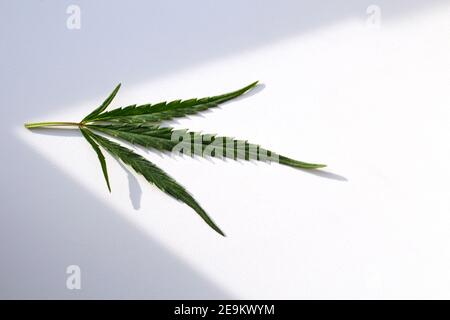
point(371, 102)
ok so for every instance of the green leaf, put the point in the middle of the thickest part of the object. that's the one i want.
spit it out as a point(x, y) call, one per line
point(140, 125)
point(194, 143)
point(87, 134)
point(166, 111)
point(102, 107)
point(154, 175)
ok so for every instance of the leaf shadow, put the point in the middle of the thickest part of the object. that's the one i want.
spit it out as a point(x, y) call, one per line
point(134, 188)
point(325, 174)
point(60, 132)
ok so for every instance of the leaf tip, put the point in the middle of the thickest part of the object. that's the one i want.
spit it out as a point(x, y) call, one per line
point(252, 85)
point(221, 232)
point(300, 164)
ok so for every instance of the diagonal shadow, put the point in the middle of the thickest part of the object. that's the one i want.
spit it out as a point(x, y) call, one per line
point(134, 189)
point(146, 39)
point(41, 233)
point(44, 227)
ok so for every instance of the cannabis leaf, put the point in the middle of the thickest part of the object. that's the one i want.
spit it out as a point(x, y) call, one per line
point(152, 174)
point(162, 138)
point(103, 106)
point(141, 125)
point(163, 110)
point(101, 157)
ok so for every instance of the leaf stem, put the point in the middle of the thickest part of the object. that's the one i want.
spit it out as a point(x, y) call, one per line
point(52, 124)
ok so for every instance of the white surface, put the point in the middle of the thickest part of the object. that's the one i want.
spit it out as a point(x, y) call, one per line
point(371, 103)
